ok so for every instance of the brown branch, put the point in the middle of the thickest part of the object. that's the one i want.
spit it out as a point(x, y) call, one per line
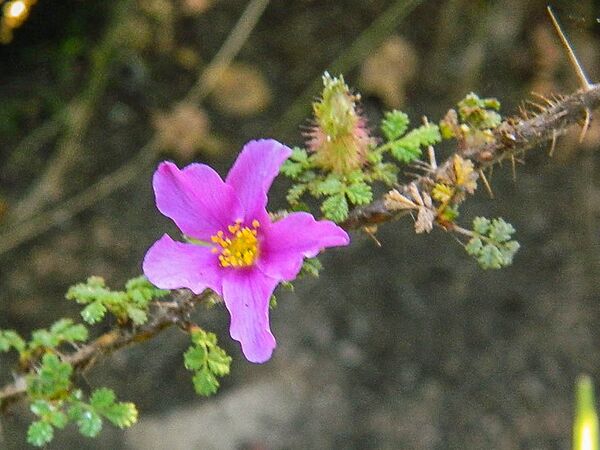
point(164, 315)
point(514, 136)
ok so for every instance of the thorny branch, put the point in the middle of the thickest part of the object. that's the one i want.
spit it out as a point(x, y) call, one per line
point(164, 315)
point(513, 137)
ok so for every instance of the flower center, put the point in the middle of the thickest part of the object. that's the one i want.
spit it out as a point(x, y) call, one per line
point(238, 247)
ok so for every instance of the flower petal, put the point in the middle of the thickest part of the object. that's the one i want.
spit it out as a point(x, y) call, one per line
point(286, 242)
point(195, 198)
point(253, 172)
point(172, 265)
point(247, 294)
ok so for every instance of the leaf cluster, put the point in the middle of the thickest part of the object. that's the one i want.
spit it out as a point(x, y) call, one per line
point(338, 191)
point(491, 243)
point(63, 331)
point(474, 122)
point(207, 360)
point(406, 147)
point(131, 304)
point(56, 412)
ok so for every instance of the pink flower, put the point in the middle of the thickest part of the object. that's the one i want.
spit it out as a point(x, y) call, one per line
point(245, 254)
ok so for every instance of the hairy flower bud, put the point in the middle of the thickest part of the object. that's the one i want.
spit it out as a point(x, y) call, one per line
point(339, 137)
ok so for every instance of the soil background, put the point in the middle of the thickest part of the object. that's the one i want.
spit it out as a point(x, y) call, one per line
point(405, 346)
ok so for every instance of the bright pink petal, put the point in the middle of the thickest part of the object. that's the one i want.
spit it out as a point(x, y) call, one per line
point(173, 265)
point(196, 198)
point(247, 294)
point(295, 237)
point(253, 172)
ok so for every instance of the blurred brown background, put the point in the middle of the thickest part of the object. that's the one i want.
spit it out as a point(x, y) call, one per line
point(407, 346)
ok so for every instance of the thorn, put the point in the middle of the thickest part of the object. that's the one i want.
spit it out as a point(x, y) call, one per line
point(586, 125)
point(542, 108)
point(543, 98)
point(553, 145)
point(432, 161)
point(524, 113)
point(583, 80)
point(514, 168)
point(371, 230)
point(486, 183)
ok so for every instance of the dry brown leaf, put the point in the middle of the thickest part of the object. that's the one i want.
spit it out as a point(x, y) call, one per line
point(187, 57)
point(394, 200)
point(242, 91)
point(182, 130)
point(425, 218)
point(196, 7)
point(386, 73)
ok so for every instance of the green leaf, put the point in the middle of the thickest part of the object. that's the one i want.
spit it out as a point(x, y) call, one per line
point(295, 193)
point(500, 231)
point(132, 303)
point(75, 333)
point(408, 148)
point(102, 398)
point(58, 419)
point(385, 172)
point(43, 338)
point(122, 414)
point(508, 251)
point(39, 433)
point(219, 362)
point(311, 266)
point(292, 169)
point(61, 331)
point(10, 338)
point(89, 423)
point(335, 208)
point(478, 112)
point(137, 315)
point(49, 412)
point(329, 186)
point(195, 357)
point(405, 153)
point(490, 257)
point(205, 383)
point(52, 380)
point(481, 225)
point(359, 193)
point(394, 124)
point(94, 312)
point(474, 246)
point(40, 408)
point(300, 155)
point(296, 164)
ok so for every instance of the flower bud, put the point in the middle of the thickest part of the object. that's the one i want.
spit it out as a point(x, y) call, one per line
point(339, 137)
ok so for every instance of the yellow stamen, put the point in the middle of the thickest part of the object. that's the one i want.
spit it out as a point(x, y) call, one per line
point(240, 248)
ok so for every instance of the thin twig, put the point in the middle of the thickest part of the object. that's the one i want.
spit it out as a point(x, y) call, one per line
point(231, 47)
point(75, 119)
